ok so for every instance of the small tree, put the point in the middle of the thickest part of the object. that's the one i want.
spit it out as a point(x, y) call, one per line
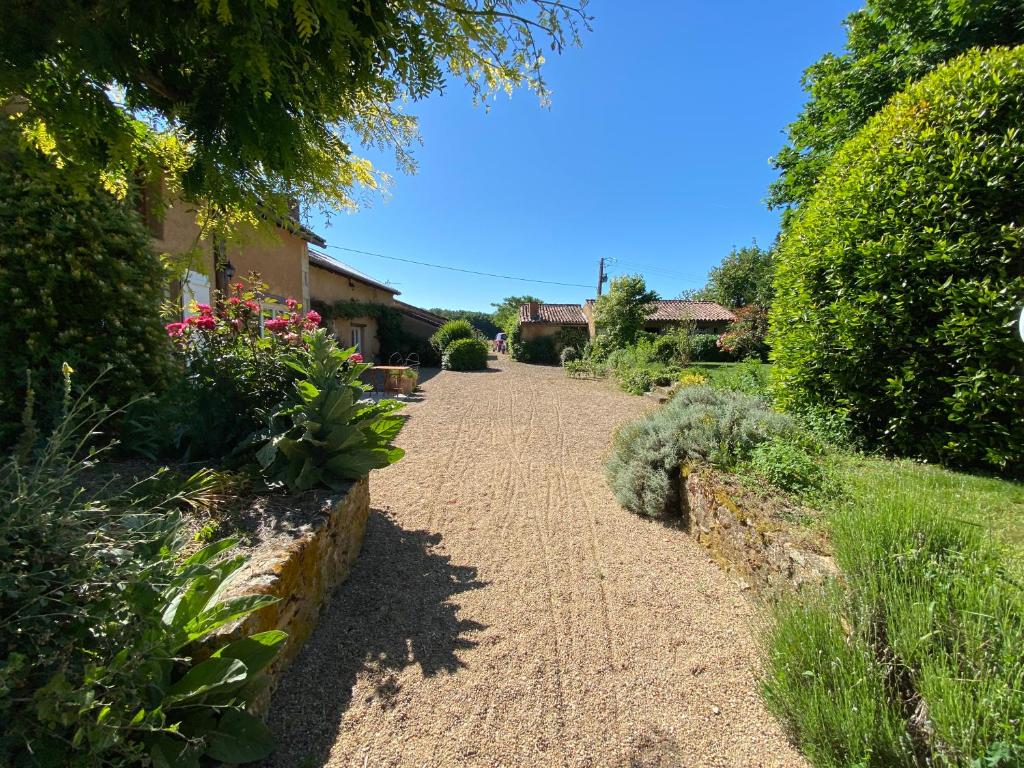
point(744, 277)
point(620, 315)
point(506, 312)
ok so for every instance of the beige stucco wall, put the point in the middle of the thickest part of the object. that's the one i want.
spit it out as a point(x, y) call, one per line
point(280, 257)
point(330, 287)
point(531, 331)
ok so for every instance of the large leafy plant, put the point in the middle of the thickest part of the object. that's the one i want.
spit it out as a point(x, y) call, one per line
point(329, 435)
point(99, 611)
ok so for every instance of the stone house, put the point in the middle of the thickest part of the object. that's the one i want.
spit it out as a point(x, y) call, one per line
point(706, 316)
point(336, 285)
point(290, 268)
point(537, 319)
point(279, 254)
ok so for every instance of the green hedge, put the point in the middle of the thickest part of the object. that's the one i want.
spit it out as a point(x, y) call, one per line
point(899, 282)
point(82, 285)
point(465, 355)
point(451, 331)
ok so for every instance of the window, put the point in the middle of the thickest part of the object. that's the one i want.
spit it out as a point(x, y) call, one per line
point(195, 288)
point(357, 338)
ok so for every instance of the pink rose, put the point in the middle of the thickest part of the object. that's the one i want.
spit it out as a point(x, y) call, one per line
point(205, 310)
point(175, 329)
point(291, 303)
point(355, 357)
point(313, 318)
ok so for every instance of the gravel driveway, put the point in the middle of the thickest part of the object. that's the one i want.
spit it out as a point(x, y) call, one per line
point(506, 612)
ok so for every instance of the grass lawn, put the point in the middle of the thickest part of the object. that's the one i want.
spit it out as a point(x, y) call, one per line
point(995, 503)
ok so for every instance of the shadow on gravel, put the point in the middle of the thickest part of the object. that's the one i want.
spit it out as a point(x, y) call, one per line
point(394, 611)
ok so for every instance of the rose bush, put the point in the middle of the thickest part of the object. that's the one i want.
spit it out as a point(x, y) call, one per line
point(233, 374)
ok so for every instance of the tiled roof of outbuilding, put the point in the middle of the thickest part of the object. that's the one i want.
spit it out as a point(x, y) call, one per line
point(701, 311)
point(554, 314)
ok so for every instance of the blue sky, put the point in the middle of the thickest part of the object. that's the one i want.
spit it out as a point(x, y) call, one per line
point(654, 153)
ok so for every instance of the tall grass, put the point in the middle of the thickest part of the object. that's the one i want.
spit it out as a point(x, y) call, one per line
point(917, 658)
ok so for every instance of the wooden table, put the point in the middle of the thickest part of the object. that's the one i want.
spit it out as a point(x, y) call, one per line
point(388, 371)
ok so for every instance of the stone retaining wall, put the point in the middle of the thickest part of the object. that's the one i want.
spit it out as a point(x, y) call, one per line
point(764, 552)
point(302, 568)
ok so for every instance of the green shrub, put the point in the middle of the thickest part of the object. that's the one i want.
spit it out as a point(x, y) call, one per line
point(673, 346)
point(100, 608)
point(568, 355)
point(81, 285)
point(571, 336)
point(789, 465)
point(704, 349)
point(327, 436)
point(698, 424)
point(233, 377)
point(539, 351)
point(452, 331)
point(465, 355)
point(899, 281)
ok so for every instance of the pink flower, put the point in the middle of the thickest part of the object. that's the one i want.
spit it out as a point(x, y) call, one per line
point(312, 318)
point(252, 306)
point(291, 303)
point(175, 329)
point(237, 287)
point(205, 310)
point(276, 325)
point(234, 301)
point(206, 322)
point(355, 357)
point(292, 338)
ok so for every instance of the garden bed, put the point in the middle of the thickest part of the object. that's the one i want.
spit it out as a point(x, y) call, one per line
point(301, 548)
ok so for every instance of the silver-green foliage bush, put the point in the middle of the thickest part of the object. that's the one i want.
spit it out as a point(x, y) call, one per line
point(701, 424)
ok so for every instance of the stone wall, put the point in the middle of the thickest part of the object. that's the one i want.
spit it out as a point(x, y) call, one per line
point(747, 539)
point(302, 568)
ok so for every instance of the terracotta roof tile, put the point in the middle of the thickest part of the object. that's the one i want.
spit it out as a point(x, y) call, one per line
point(554, 314)
point(678, 309)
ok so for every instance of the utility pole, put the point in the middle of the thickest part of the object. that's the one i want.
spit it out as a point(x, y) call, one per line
point(602, 278)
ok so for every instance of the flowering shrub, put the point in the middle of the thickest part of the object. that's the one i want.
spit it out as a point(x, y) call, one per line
point(235, 371)
point(747, 335)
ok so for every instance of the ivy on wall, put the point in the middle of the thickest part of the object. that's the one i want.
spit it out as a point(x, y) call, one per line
point(390, 334)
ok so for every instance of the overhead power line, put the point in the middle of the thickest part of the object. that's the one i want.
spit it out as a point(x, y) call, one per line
point(458, 269)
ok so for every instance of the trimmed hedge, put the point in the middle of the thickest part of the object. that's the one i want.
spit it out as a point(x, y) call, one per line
point(465, 355)
point(899, 282)
point(452, 331)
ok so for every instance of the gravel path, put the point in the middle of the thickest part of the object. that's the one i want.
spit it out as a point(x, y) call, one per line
point(506, 612)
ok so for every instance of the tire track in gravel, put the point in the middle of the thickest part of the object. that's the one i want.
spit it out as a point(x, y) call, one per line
point(522, 619)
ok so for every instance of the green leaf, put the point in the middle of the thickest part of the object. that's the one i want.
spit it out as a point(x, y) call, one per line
point(169, 752)
point(240, 738)
point(225, 612)
point(211, 550)
point(257, 651)
point(206, 677)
